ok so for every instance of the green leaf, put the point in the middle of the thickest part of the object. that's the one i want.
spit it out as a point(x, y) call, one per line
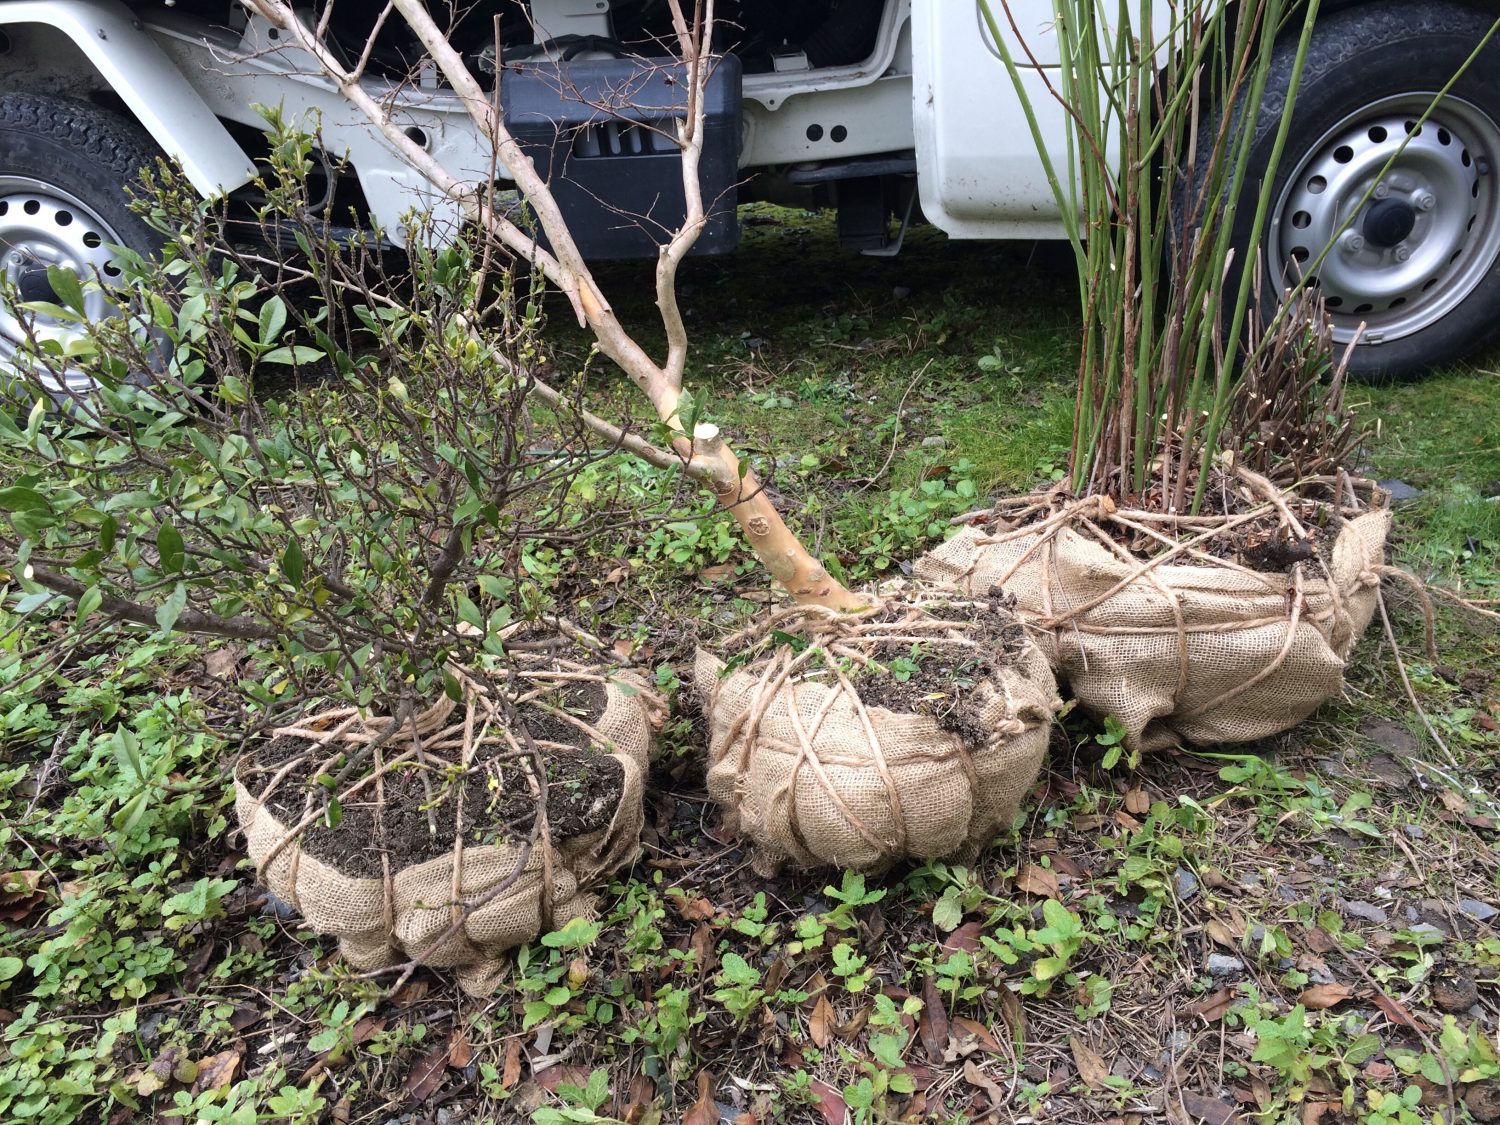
point(292, 562)
point(18, 498)
point(88, 602)
point(451, 687)
point(578, 933)
point(272, 320)
point(169, 548)
point(294, 355)
point(170, 610)
point(948, 911)
point(10, 967)
point(68, 288)
point(737, 970)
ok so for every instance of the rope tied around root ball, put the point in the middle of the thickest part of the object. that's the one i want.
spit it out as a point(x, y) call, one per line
point(455, 857)
point(911, 728)
point(1148, 623)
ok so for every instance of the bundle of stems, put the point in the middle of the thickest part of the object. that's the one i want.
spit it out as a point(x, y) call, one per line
point(1158, 98)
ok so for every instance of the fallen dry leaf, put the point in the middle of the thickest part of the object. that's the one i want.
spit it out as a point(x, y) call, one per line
point(1223, 931)
point(1015, 1015)
point(1394, 1011)
point(976, 1077)
point(933, 1028)
point(366, 1029)
point(1314, 1112)
point(962, 1027)
point(704, 1111)
point(551, 1077)
point(221, 663)
point(411, 992)
point(216, 1071)
point(702, 946)
point(695, 909)
point(1209, 1111)
point(245, 1016)
point(512, 1072)
point(1321, 996)
point(1035, 880)
point(427, 1075)
point(820, 1023)
point(1137, 801)
point(1091, 1068)
point(1212, 1007)
point(966, 937)
point(460, 1053)
point(1454, 802)
point(623, 648)
point(830, 1103)
point(717, 573)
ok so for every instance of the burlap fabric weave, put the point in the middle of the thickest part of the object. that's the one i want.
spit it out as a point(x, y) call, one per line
point(812, 772)
point(416, 911)
point(1186, 645)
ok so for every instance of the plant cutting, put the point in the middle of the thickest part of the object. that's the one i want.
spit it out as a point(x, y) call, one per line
point(380, 544)
point(1211, 560)
point(686, 439)
point(489, 341)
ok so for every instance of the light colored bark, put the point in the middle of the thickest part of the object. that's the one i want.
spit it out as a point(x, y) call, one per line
point(704, 455)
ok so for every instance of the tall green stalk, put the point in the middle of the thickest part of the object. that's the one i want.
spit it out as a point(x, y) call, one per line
point(1159, 153)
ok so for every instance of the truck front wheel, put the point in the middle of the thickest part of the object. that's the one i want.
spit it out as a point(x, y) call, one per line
point(65, 170)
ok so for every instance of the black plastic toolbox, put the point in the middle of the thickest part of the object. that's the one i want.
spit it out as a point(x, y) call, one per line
point(601, 133)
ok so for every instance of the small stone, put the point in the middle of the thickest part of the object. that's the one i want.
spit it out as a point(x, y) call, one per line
point(1427, 930)
point(1223, 965)
point(934, 442)
point(1480, 911)
point(1413, 831)
point(1366, 911)
point(1186, 883)
point(1178, 1042)
point(1400, 491)
point(279, 907)
point(901, 292)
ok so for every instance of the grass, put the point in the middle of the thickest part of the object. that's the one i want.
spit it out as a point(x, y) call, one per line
point(1278, 933)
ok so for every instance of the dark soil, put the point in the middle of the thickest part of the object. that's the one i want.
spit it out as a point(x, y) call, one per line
point(584, 699)
point(583, 792)
point(1264, 544)
point(937, 679)
point(945, 682)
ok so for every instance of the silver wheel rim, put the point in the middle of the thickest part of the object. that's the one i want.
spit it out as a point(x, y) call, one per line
point(1429, 234)
point(41, 226)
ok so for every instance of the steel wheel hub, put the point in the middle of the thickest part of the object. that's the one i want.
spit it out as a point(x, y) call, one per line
point(1403, 248)
point(42, 226)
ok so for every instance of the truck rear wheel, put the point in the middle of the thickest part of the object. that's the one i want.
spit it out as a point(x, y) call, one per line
point(65, 170)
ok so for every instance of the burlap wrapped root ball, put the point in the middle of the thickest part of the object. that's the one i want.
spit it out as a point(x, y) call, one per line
point(1191, 636)
point(909, 731)
point(435, 854)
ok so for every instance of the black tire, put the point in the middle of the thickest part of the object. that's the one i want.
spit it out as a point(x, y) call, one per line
point(66, 170)
point(1369, 67)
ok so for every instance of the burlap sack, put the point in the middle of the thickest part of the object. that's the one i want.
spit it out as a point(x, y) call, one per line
point(1187, 647)
point(411, 910)
point(811, 772)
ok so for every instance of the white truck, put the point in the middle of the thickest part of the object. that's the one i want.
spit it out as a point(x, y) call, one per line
point(889, 111)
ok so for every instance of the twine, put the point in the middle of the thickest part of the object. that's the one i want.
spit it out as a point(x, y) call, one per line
point(857, 637)
point(1091, 514)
